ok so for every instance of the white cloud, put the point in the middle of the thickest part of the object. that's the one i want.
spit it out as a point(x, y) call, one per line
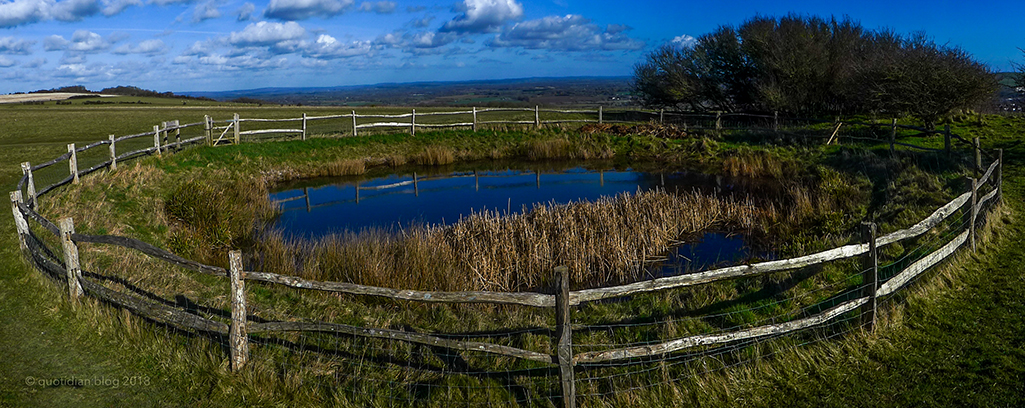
point(264, 34)
point(18, 12)
point(327, 47)
point(206, 11)
point(35, 63)
point(379, 7)
point(87, 42)
point(55, 43)
point(245, 13)
point(114, 7)
point(74, 10)
point(148, 47)
point(169, 2)
point(11, 45)
point(568, 33)
point(422, 22)
point(7, 62)
point(431, 39)
point(684, 40)
point(481, 16)
point(289, 10)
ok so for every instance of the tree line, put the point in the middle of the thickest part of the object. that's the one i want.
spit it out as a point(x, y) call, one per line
point(801, 65)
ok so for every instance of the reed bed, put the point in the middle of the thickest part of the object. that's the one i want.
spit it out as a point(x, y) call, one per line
point(602, 242)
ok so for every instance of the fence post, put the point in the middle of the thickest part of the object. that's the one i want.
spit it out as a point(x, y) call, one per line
point(412, 124)
point(870, 277)
point(975, 211)
point(565, 339)
point(600, 119)
point(946, 140)
point(416, 187)
point(67, 227)
point(354, 123)
point(236, 127)
point(537, 118)
point(26, 169)
point(208, 128)
point(474, 119)
point(113, 154)
point(73, 163)
point(1000, 175)
point(304, 126)
point(893, 135)
point(306, 194)
point(239, 339)
point(156, 139)
point(661, 116)
point(177, 135)
point(718, 123)
point(775, 121)
point(21, 226)
point(978, 156)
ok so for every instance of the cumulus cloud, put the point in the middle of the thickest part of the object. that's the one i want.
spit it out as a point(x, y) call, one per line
point(289, 10)
point(11, 45)
point(379, 7)
point(82, 42)
point(206, 11)
point(421, 22)
point(35, 63)
point(266, 34)
point(7, 62)
point(18, 12)
point(568, 33)
point(245, 13)
point(684, 40)
point(114, 7)
point(168, 2)
point(431, 39)
point(148, 47)
point(74, 10)
point(483, 16)
point(328, 47)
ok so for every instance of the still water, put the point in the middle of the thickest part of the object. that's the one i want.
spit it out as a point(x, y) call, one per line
point(395, 201)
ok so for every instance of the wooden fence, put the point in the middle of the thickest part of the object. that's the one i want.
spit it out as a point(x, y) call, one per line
point(168, 138)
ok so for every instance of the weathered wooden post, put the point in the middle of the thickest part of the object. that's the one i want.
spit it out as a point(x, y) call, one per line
point(537, 118)
point(236, 128)
point(564, 345)
point(946, 140)
point(474, 119)
point(978, 156)
point(975, 211)
point(30, 188)
point(21, 226)
point(718, 123)
point(893, 136)
point(304, 127)
point(870, 277)
point(156, 139)
point(775, 121)
point(661, 116)
point(73, 163)
point(354, 123)
point(600, 119)
point(412, 123)
point(177, 135)
point(1000, 175)
point(416, 187)
point(237, 333)
point(208, 129)
point(67, 228)
point(113, 154)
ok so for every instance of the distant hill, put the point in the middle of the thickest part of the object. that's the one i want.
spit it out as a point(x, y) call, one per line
point(118, 90)
point(571, 91)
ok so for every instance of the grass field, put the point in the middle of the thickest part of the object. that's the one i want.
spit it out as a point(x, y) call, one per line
point(961, 358)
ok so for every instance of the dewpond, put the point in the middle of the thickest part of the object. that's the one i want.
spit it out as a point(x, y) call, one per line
point(316, 208)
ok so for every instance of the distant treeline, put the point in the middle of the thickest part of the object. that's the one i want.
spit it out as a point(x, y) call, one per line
point(811, 66)
point(123, 91)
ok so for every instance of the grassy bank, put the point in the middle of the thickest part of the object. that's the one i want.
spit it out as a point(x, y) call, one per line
point(195, 370)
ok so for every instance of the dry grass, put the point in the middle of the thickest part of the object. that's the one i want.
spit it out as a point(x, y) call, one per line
point(435, 156)
point(602, 242)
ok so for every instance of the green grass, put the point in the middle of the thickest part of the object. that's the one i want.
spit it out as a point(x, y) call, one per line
point(961, 344)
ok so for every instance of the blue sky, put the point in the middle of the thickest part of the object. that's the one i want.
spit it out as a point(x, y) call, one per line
point(193, 45)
